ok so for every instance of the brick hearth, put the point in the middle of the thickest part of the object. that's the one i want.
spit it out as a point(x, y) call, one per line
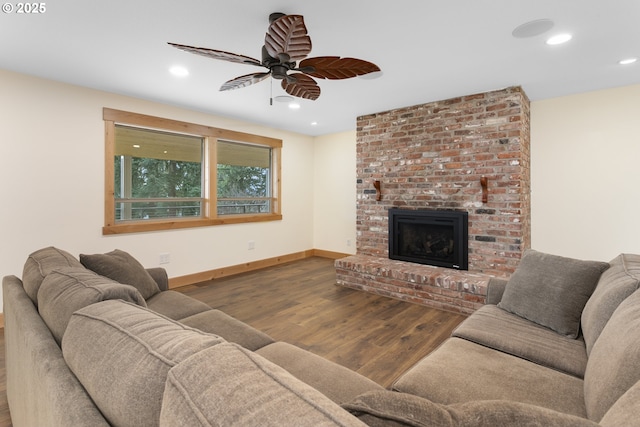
point(432, 156)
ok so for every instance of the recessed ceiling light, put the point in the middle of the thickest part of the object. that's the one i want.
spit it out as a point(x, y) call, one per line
point(627, 61)
point(314, 123)
point(294, 106)
point(179, 71)
point(283, 98)
point(532, 28)
point(559, 39)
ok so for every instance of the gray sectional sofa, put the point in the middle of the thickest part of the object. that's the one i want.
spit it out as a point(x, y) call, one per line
point(99, 340)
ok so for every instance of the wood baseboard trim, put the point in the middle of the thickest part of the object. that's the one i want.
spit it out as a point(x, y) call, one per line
point(190, 279)
point(329, 254)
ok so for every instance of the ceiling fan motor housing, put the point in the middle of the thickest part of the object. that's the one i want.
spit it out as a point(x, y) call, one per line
point(275, 15)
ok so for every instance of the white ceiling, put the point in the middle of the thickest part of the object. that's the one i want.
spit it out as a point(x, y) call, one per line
point(428, 51)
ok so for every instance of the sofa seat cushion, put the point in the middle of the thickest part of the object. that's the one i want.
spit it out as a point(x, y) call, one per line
point(229, 328)
point(551, 290)
point(121, 353)
point(493, 327)
point(462, 371)
point(614, 362)
point(175, 305)
point(615, 284)
point(124, 268)
point(42, 262)
point(338, 383)
point(388, 408)
point(68, 289)
point(227, 385)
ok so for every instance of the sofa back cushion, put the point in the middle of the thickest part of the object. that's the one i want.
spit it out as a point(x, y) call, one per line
point(615, 284)
point(626, 410)
point(124, 268)
point(42, 262)
point(121, 353)
point(551, 290)
point(227, 385)
point(68, 289)
point(614, 364)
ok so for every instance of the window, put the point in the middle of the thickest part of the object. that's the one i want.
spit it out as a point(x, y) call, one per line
point(164, 174)
point(244, 176)
point(157, 174)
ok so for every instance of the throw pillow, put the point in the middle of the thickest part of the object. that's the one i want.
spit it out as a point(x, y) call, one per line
point(122, 267)
point(551, 290)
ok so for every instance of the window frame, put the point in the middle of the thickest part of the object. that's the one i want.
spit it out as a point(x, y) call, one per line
point(211, 135)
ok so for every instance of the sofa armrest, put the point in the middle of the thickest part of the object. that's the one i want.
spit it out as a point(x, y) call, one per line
point(495, 289)
point(159, 274)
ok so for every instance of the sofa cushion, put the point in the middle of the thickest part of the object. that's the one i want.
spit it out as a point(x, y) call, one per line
point(614, 362)
point(501, 330)
point(68, 289)
point(121, 353)
point(615, 284)
point(338, 383)
point(42, 262)
point(551, 290)
point(626, 411)
point(227, 385)
point(461, 371)
point(122, 267)
point(229, 328)
point(175, 305)
point(387, 408)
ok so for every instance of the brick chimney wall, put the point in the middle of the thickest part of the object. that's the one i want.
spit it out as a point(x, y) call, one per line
point(433, 156)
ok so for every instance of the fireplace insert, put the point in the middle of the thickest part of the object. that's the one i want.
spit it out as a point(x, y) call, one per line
point(432, 237)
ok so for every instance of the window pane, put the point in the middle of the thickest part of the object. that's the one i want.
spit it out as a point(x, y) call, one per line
point(244, 179)
point(157, 174)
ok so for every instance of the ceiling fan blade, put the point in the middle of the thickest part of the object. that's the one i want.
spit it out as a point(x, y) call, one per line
point(218, 54)
point(244, 81)
point(287, 35)
point(336, 68)
point(302, 86)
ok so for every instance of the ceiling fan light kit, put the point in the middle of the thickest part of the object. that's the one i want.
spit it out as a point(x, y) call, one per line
point(284, 55)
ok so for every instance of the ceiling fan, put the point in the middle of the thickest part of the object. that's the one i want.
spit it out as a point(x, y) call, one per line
point(286, 43)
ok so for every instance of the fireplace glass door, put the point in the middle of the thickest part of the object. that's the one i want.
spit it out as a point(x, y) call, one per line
point(438, 238)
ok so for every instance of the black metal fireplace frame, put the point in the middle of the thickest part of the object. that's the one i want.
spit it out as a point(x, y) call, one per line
point(459, 222)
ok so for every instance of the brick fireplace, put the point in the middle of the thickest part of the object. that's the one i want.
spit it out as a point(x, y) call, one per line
point(450, 155)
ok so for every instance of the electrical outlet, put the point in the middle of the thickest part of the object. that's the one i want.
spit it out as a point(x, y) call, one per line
point(165, 258)
point(348, 242)
point(251, 245)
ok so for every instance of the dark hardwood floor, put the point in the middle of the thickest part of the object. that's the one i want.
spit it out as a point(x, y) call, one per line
point(300, 303)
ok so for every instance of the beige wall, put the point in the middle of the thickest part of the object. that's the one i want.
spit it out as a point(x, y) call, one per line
point(334, 192)
point(585, 168)
point(52, 142)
